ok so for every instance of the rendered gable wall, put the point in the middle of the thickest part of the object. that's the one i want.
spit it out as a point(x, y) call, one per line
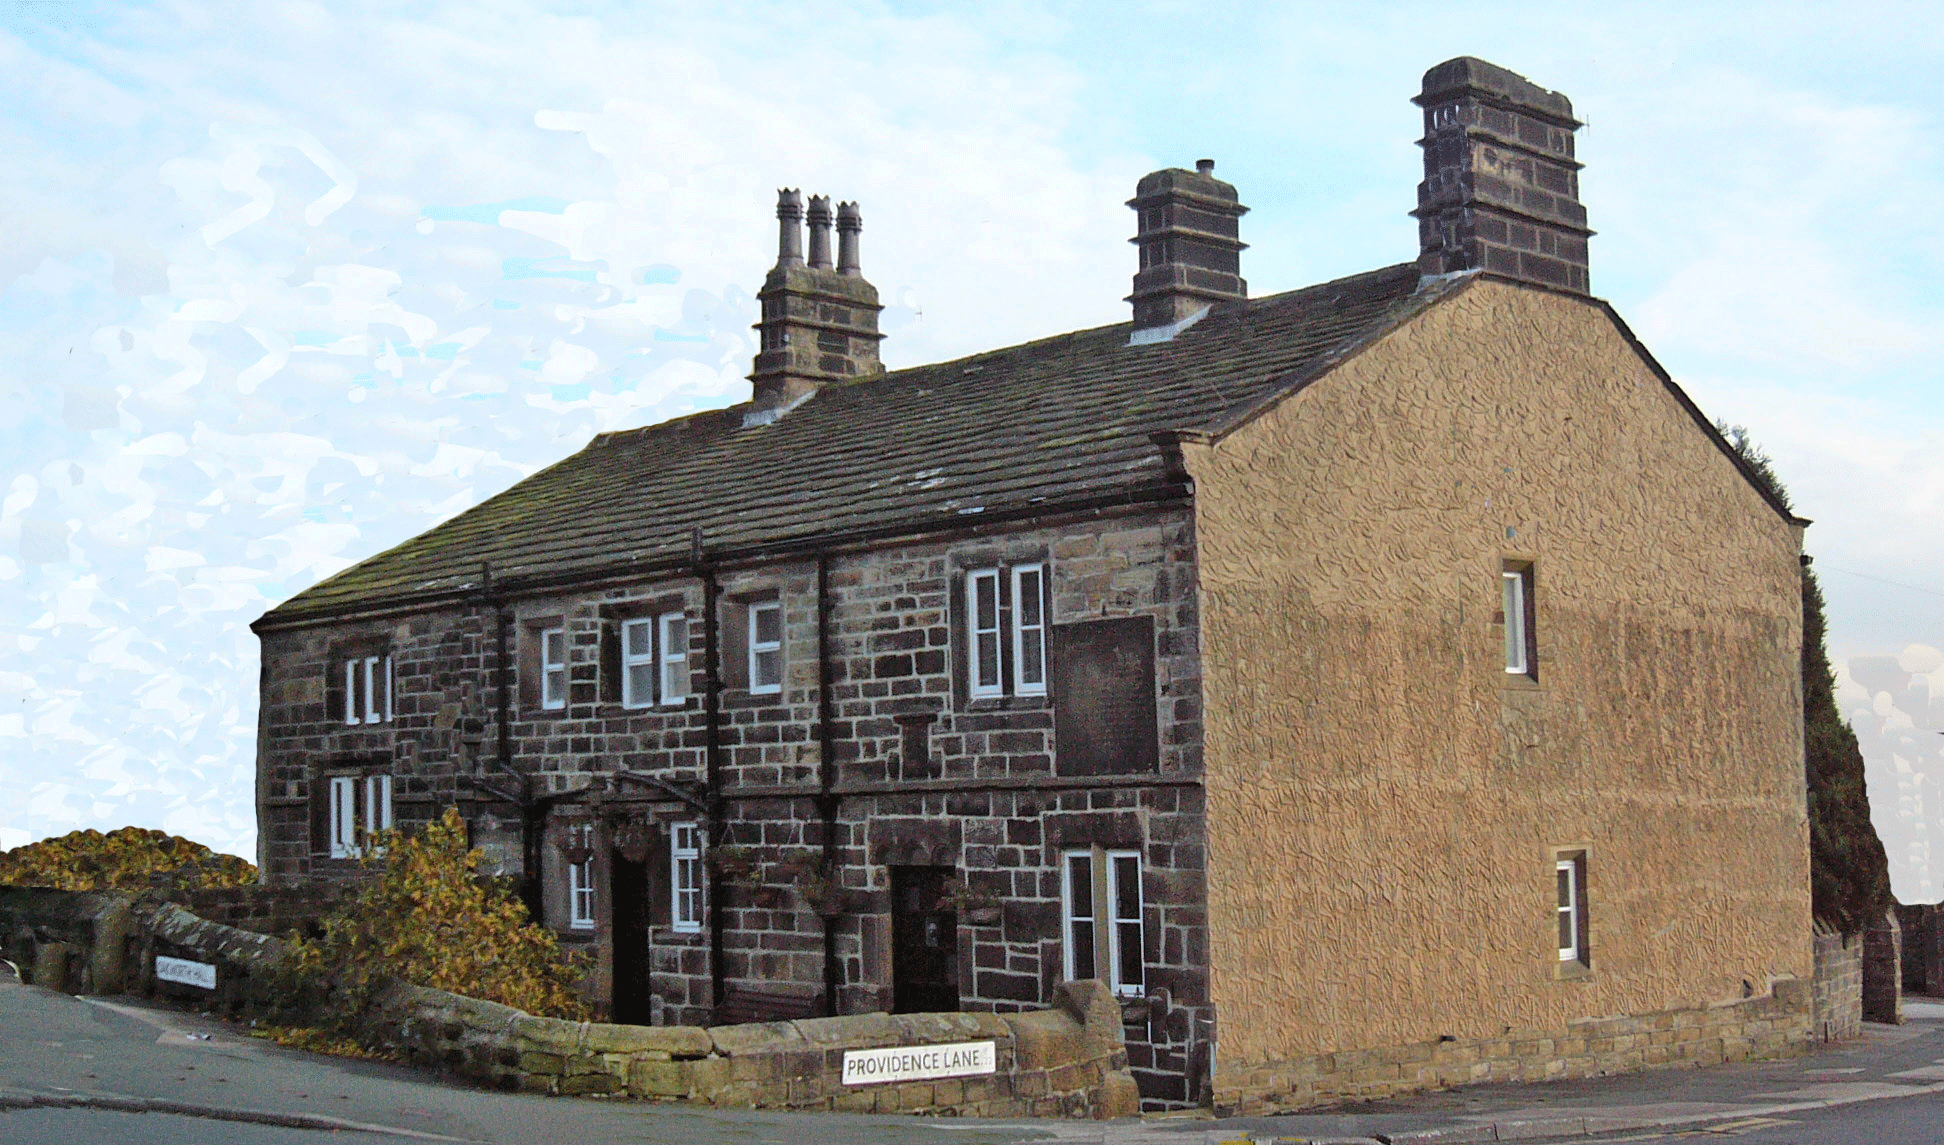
point(1384, 801)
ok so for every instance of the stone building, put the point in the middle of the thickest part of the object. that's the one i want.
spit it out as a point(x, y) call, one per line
point(1383, 684)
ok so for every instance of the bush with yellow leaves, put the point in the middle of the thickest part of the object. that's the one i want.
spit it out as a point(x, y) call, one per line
point(430, 919)
point(125, 859)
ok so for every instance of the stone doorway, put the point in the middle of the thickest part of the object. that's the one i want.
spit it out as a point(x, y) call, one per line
point(924, 942)
point(629, 892)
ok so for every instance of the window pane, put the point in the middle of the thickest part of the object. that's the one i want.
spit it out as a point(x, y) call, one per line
point(675, 637)
point(1080, 937)
point(638, 638)
point(768, 624)
point(1080, 885)
point(769, 669)
point(1029, 602)
point(985, 601)
point(1127, 887)
point(641, 683)
point(988, 675)
point(1515, 636)
point(1128, 938)
point(553, 646)
point(1565, 888)
point(555, 686)
point(1032, 659)
point(1566, 943)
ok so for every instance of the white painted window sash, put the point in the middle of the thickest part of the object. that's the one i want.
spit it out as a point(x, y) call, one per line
point(637, 663)
point(982, 632)
point(1029, 630)
point(1515, 622)
point(351, 702)
point(674, 657)
point(685, 877)
point(1570, 941)
point(1077, 910)
point(553, 668)
point(580, 895)
point(765, 656)
point(344, 816)
point(1128, 971)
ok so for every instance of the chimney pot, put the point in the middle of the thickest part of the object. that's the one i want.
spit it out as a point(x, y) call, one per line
point(789, 215)
point(850, 221)
point(1205, 166)
point(820, 232)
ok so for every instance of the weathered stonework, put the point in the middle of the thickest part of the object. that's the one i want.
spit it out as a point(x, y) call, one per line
point(1838, 1009)
point(1362, 728)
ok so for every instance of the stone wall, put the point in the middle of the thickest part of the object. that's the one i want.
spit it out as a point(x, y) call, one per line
point(1776, 1024)
point(1067, 1061)
point(1838, 1010)
point(1362, 728)
point(1923, 948)
point(1883, 972)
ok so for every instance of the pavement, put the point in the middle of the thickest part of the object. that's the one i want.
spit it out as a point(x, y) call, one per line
point(129, 1056)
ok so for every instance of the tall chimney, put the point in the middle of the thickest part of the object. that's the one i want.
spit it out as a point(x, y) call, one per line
point(820, 324)
point(849, 222)
point(1501, 186)
point(1191, 257)
point(820, 232)
point(789, 217)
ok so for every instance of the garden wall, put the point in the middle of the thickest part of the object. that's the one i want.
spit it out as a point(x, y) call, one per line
point(1067, 1061)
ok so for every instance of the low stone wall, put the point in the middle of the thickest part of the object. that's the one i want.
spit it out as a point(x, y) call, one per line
point(275, 910)
point(1776, 1024)
point(1883, 972)
point(1068, 1061)
point(1838, 1004)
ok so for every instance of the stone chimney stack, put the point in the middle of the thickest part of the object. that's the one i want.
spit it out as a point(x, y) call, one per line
point(1501, 186)
point(820, 324)
point(1191, 257)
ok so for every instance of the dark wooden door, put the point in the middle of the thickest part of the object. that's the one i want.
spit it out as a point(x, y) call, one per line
point(924, 942)
point(633, 964)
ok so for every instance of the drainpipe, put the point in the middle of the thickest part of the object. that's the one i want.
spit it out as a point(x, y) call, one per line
point(827, 797)
point(712, 753)
point(528, 806)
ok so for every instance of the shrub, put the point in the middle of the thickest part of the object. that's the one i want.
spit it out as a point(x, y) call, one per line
point(125, 859)
point(429, 918)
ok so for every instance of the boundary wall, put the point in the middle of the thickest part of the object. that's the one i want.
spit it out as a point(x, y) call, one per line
point(1066, 1061)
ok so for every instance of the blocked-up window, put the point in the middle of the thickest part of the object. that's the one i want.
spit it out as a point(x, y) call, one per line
point(1104, 717)
point(685, 876)
point(1103, 929)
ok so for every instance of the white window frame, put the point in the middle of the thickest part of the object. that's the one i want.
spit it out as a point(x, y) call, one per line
point(1107, 930)
point(364, 702)
point(1118, 925)
point(344, 816)
point(553, 697)
point(632, 660)
point(1028, 635)
point(580, 895)
point(757, 648)
point(685, 879)
point(1072, 922)
point(674, 674)
point(377, 807)
point(976, 632)
point(1569, 877)
point(1516, 585)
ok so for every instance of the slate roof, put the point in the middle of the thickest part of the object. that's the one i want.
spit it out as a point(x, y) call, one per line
point(1020, 431)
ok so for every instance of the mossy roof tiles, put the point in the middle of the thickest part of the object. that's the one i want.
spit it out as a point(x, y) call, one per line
point(1054, 422)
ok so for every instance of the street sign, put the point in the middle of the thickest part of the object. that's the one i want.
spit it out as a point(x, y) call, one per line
point(186, 972)
point(920, 1063)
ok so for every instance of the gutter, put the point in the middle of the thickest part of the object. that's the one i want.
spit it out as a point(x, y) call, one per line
point(712, 753)
point(828, 801)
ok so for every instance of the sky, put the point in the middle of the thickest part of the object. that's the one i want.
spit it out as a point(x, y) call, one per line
point(283, 284)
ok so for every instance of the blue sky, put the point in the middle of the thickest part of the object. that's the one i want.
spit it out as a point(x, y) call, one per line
point(284, 284)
